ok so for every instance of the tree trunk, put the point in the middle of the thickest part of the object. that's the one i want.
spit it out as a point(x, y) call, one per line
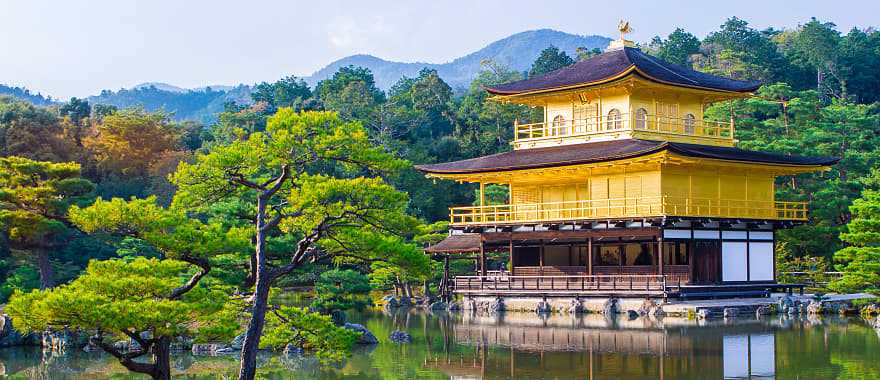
point(248, 368)
point(407, 289)
point(252, 273)
point(162, 359)
point(46, 276)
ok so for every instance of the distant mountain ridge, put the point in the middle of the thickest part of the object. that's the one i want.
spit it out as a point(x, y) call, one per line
point(25, 94)
point(517, 51)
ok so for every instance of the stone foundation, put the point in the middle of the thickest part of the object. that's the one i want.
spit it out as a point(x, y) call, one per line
point(557, 304)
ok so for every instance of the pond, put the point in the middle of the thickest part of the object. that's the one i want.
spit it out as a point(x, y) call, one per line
point(528, 346)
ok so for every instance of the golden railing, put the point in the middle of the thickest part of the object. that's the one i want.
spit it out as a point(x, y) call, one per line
point(609, 124)
point(628, 207)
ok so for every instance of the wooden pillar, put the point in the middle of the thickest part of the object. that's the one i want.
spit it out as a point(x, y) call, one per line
point(445, 288)
point(482, 201)
point(660, 255)
point(510, 251)
point(541, 257)
point(590, 256)
point(482, 259)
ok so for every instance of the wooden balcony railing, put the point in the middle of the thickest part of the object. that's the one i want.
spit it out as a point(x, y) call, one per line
point(610, 124)
point(627, 207)
point(596, 283)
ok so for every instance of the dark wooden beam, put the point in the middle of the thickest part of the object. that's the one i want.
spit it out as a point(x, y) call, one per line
point(504, 237)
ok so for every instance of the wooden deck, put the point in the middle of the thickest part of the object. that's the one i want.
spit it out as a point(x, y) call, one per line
point(595, 285)
point(609, 285)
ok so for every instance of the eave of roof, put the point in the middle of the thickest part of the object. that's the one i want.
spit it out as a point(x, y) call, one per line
point(456, 243)
point(605, 151)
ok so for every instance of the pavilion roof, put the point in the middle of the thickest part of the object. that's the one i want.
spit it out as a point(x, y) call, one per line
point(616, 64)
point(610, 151)
point(456, 243)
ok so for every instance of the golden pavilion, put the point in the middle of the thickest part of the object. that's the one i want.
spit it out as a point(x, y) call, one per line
point(624, 189)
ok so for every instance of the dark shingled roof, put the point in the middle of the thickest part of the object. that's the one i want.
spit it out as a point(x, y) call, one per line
point(610, 151)
point(610, 64)
point(456, 243)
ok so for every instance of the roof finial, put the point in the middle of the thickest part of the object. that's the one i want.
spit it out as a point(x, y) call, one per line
point(624, 29)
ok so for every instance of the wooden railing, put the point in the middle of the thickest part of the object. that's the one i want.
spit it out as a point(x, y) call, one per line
point(594, 283)
point(627, 207)
point(609, 124)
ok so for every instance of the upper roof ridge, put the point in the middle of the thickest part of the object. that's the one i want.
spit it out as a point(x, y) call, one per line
point(613, 64)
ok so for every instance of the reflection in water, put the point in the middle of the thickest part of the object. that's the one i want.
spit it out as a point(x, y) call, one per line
point(526, 346)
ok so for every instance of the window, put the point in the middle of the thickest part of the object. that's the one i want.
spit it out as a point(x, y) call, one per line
point(689, 122)
point(607, 255)
point(527, 256)
point(614, 120)
point(585, 117)
point(559, 126)
point(641, 118)
point(639, 254)
point(675, 253)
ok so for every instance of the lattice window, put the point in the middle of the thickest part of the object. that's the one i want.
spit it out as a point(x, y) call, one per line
point(526, 195)
point(614, 121)
point(690, 122)
point(641, 118)
point(560, 127)
point(585, 117)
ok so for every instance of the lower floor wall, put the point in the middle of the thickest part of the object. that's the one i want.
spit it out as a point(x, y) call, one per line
point(696, 256)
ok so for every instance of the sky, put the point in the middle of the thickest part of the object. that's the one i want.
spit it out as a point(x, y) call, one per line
point(79, 47)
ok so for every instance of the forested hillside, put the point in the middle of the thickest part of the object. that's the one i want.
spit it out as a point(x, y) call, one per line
point(819, 98)
point(25, 94)
point(200, 105)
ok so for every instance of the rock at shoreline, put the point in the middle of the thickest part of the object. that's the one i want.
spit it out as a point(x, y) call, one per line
point(784, 303)
point(9, 336)
point(366, 336)
point(238, 342)
point(182, 343)
point(497, 306)
point(292, 350)
point(63, 340)
point(610, 307)
point(212, 349)
point(391, 302)
point(400, 337)
point(657, 311)
point(405, 301)
point(814, 308)
point(575, 307)
point(543, 307)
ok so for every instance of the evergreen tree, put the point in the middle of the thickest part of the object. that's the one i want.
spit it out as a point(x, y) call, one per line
point(860, 261)
point(550, 59)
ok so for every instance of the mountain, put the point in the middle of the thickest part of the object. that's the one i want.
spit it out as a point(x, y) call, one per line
point(161, 86)
point(517, 51)
point(202, 104)
point(25, 94)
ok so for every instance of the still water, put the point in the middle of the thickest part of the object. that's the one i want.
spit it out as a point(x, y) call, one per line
point(527, 346)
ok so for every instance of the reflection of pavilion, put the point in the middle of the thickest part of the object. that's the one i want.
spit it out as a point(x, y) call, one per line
point(527, 346)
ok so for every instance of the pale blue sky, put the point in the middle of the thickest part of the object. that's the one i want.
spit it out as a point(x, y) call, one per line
point(76, 48)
